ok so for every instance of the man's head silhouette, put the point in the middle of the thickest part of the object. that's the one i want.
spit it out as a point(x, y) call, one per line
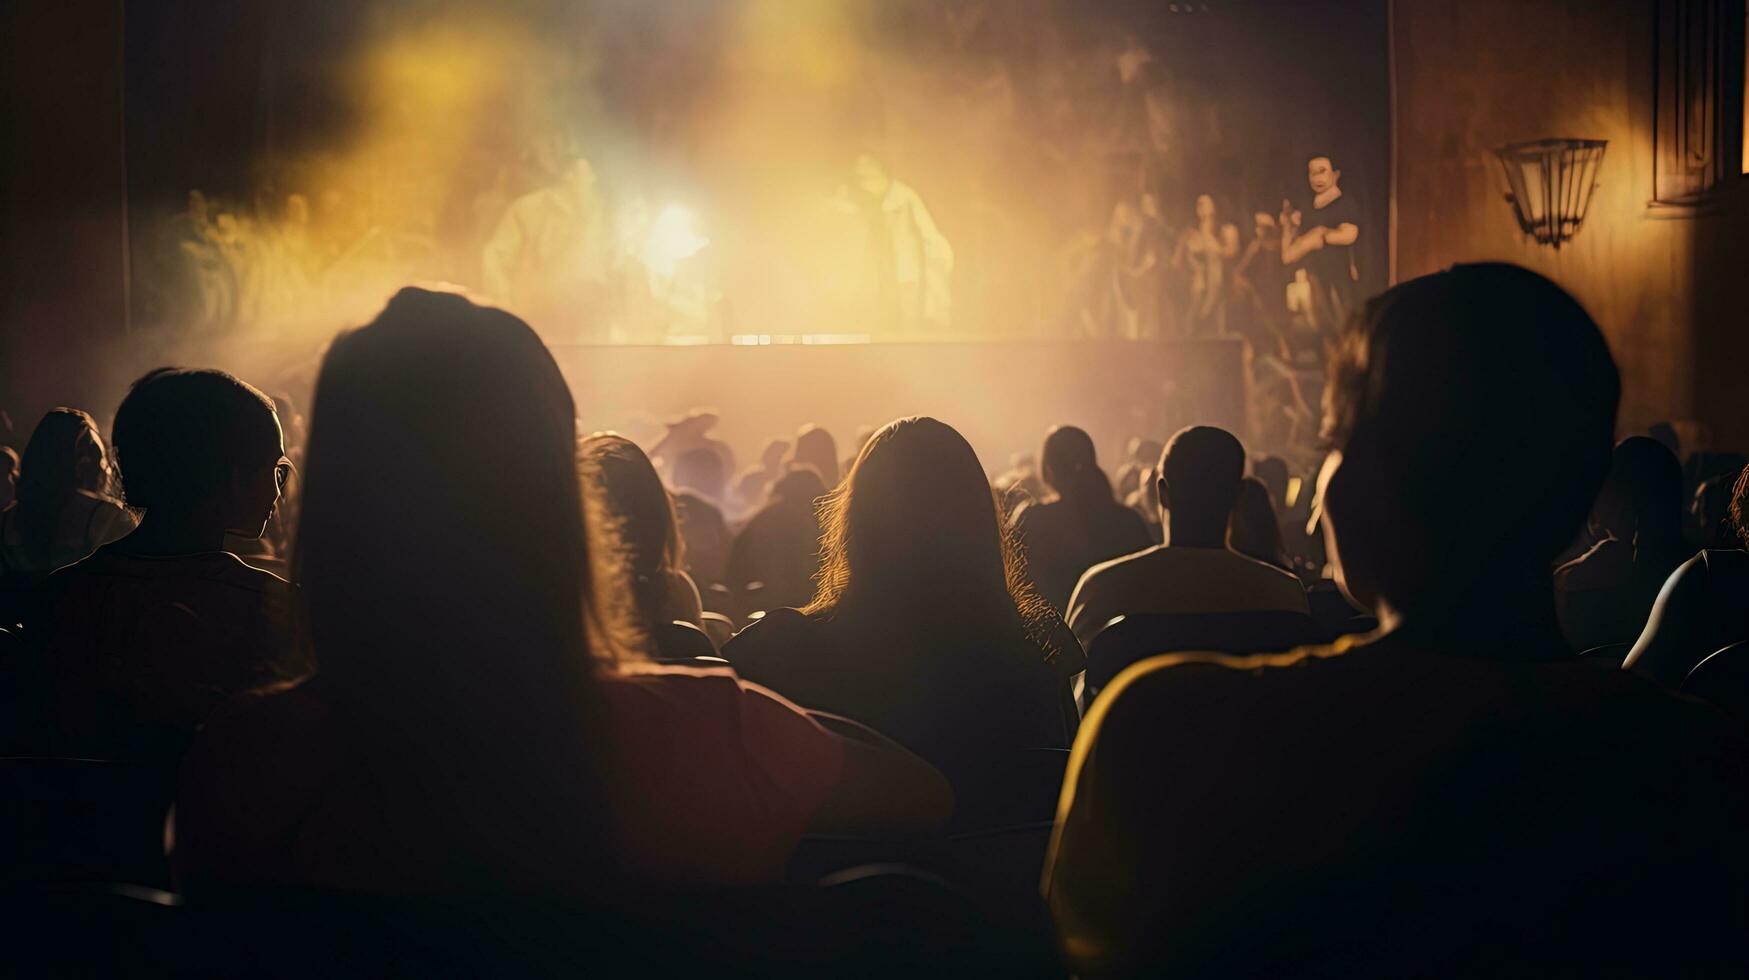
point(1200, 473)
point(1471, 415)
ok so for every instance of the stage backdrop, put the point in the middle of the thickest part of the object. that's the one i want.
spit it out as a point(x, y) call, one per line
point(632, 172)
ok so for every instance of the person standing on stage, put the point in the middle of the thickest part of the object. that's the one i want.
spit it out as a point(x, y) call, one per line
point(1322, 237)
point(550, 256)
point(1207, 247)
point(914, 273)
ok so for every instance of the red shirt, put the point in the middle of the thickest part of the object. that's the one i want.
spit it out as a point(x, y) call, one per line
point(712, 780)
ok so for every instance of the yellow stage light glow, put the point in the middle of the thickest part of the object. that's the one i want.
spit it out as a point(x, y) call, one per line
point(673, 238)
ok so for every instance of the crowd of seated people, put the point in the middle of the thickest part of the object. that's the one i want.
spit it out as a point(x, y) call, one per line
point(1605, 594)
point(923, 624)
point(1080, 522)
point(576, 674)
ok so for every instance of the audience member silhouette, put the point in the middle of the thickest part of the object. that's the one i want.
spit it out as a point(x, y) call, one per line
point(1273, 472)
point(1702, 608)
point(816, 448)
point(1254, 531)
point(64, 509)
point(923, 626)
point(1457, 786)
point(1665, 433)
point(460, 738)
point(693, 431)
point(1140, 455)
point(752, 487)
point(1604, 595)
point(699, 485)
point(1081, 524)
point(8, 476)
point(636, 542)
point(135, 645)
point(1710, 512)
point(779, 549)
point(1202, 470)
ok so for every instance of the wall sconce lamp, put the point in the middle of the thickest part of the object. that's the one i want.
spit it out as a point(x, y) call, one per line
point(1551, 181)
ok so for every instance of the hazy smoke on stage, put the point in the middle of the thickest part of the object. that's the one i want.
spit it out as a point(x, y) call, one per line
point(704, 170)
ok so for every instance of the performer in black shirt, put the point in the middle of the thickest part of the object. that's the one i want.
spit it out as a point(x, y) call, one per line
point(1321, 238)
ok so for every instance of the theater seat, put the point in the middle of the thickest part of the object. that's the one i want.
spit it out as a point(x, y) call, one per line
point(682, 642)
point(1021, 789)
point(1129, 639)
point(1723, 679)
point(1334, 614)
point(720, 628)
point(83, 819)
point(95, 929)
point(1609, 655)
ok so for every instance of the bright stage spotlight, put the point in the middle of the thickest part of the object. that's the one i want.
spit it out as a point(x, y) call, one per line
point(673, 237)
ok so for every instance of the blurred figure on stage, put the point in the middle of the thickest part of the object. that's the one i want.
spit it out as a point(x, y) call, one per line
point(1260, 288)
point(914, 261)
point(551, 255)
point(1320, 237)
point(1207, 248)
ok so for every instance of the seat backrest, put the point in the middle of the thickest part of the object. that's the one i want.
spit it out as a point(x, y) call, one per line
point(1022, 787)
point(1608, 655)
point(681, 641)
point(1129, 639)
point(1723, 679)
point(1334, 614)
point(82, 819)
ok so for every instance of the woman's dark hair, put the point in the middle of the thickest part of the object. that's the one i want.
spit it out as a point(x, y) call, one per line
point(1739, 510)
point(915, 534)
point(635, 538)
point(445, 604)
point(179, 435)
point(1073, 466)
point(62, 458)
point(1253, 530)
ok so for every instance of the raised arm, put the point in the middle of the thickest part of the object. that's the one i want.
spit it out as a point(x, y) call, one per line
point(1346, 233)
point(1296, 247)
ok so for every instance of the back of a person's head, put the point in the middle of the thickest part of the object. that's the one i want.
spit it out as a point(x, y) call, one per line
point(1253, 530)
point(632, 532)
point(701, 471)
point(445, 605)
point(815, 447)
point(915, 531)
point(182, 436)
point(799, 486)
point(1069, 465)
point(1474, 412)
point(64, 456)
point(1202, 468)
point(1642, 495)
